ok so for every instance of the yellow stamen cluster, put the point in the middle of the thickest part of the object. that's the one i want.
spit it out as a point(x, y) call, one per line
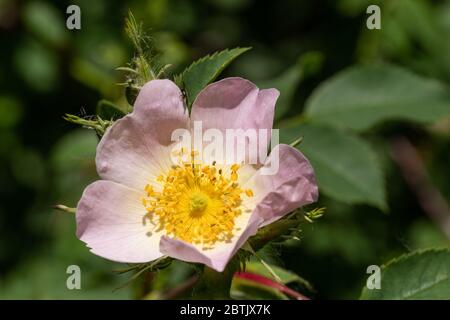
point(198, 203)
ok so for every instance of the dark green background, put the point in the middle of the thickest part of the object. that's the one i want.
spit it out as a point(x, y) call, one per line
point(47, 71)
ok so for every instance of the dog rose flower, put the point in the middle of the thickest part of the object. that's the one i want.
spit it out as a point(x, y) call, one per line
point(146, 206)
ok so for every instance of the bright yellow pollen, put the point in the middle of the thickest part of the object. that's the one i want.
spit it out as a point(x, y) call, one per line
point(198, 203)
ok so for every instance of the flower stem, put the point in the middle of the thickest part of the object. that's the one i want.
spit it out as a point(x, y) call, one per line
point(215, 285)
point(272, 232)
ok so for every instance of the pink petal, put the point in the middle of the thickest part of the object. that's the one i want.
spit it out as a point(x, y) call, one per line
point(137, 147)
point(292, 186)
point(110, 221)
point(235, 103)
point(216, 258)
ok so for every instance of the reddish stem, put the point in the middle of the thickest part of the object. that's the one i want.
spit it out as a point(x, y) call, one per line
point(416, 176)
point(270, 283)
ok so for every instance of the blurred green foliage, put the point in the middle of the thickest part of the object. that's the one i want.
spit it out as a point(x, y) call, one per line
point(372, 214)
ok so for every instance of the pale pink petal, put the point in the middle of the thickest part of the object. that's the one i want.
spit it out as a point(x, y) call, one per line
point(110, 221)
point(137, 148)
point(236, 103)
point(292, 186)
point(216, 258)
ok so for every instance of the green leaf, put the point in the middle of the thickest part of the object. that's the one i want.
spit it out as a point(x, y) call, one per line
point(46, 22)
point(108, 110)
point(418, 275)
point(284, 275)
point(204, 71)
point(346, 167)
point(242, 289)
point(37, 64)
point(363, 96)
point(287, 83)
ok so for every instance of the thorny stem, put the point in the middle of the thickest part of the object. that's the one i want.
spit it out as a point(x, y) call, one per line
point(215, 285)
point(142, 64)
point(272, 232)
point(96, 123)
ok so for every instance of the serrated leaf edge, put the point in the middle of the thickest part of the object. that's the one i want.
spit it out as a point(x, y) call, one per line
point(179, 78)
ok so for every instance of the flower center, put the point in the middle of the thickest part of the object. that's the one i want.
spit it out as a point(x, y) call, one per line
point(198, 203)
